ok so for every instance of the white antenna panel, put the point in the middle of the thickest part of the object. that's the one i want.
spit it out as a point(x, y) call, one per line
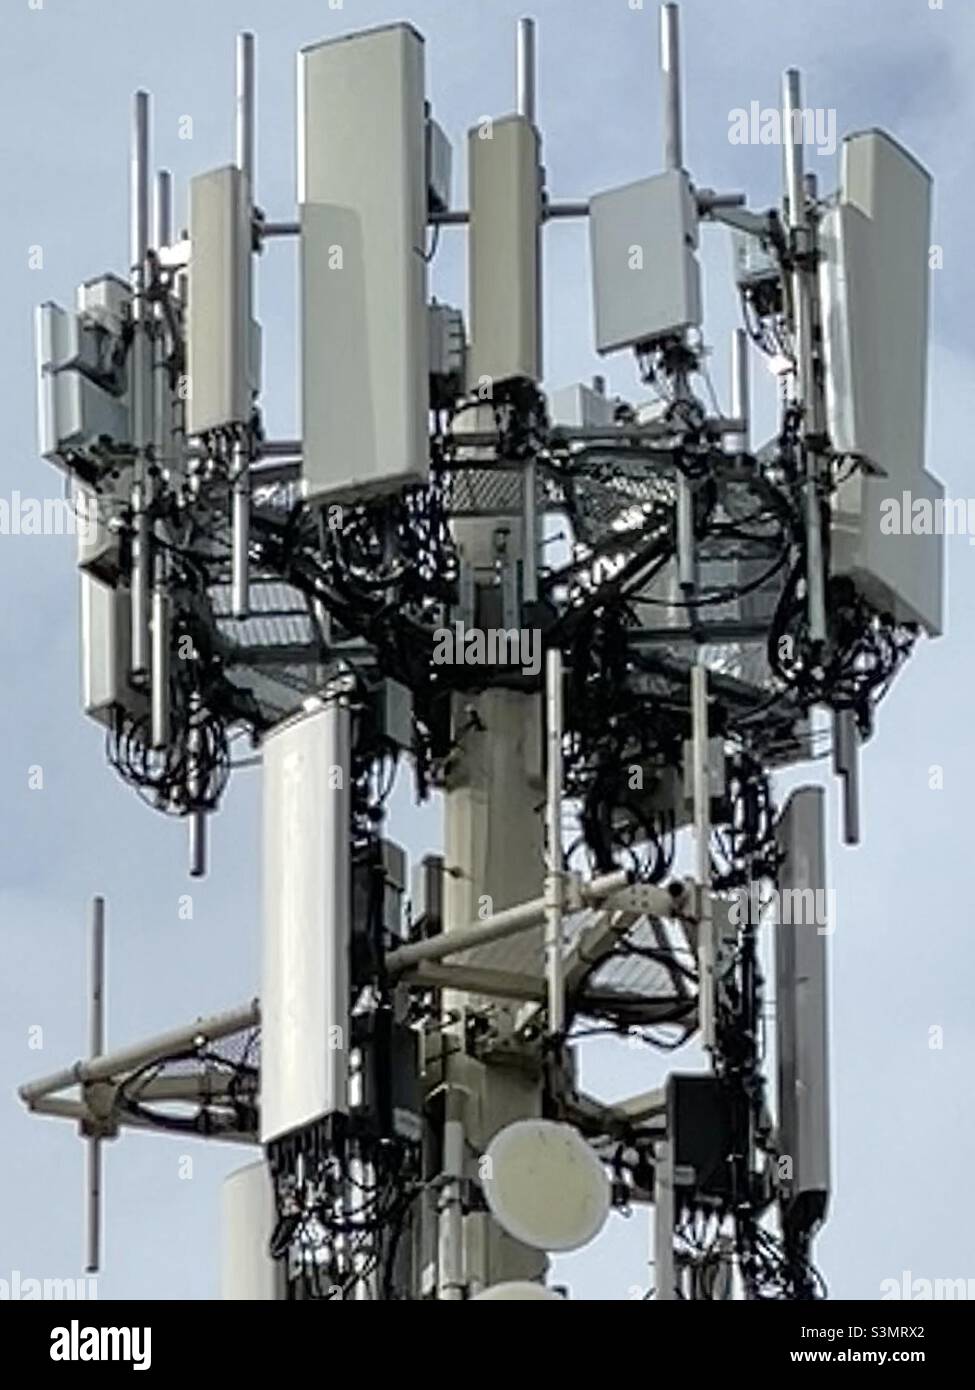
point(365, 384)
point(219, 339)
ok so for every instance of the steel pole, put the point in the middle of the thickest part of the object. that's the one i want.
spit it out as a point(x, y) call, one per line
point(526, 70)
point(141, 385)
point(246, 106)
point(96, 1044)
point(555, 879)
point(803, 326)
point(670, 71)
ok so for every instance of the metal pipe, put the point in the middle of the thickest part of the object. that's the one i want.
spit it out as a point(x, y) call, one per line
point(451, 217)
point(670, 70)
point(241, 521)
point(507, 922)
point(140, 658)
point(664, 1217)
point(139, 189)
point(740, 390)
point(96, 1043)
point(555, 875)
point(164, 209)
point(792, 127)
point(802, 309)
point(240, 494)
point(450, 1243)
point(93, 1183)
point(245, 109)
point(96, 1011)
point(554, 212)
point(686, 546)
point(526, 69)
point(197, 821)
point(160, 706)
point(279, 448)
point(279, 229)
point(529, 563)
point(700, 755)
point(155, 1049)
point(63, 1109)
point(141, 381)
point(197, 817)
point(472, 979)
point(846, 764)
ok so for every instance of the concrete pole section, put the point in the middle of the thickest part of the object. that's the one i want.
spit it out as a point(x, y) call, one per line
point(494, 858)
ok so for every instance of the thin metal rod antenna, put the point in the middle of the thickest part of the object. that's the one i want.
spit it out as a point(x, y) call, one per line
point(241, 521)
point(527, 107)
point(240, 470)
point(139, 193)
point(673, 143)
point(164, 209)
point(142, 393)
point(741, 390)
point(700, 755)
point(664, 1213)
point(530, 547)
point(670, 71)
point(197, 818)
point(246, 108)
point(555, 877)
point(96, 1044)
point(802, 295)
point(686, 549)
point(198, 843)
point(160, 607)
point(526, 70)
point(846, 764)
point(160, 657)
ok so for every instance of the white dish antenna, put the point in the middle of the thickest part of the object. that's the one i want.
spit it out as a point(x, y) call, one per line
point(545, 1186)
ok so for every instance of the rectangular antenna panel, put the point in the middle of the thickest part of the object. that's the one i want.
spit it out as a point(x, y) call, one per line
point(363, 196)
point(307, 907)
point(76, 413)
point(504, 251)
point(801, 1010)
point(874, 288)
point(219, 337)
point(106, 651)
point(645, 273)
point(107, 300)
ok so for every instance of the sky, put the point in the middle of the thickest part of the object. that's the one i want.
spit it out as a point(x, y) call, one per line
point(902, 954)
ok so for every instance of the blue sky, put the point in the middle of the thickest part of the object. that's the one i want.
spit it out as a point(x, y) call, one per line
point(902, 952)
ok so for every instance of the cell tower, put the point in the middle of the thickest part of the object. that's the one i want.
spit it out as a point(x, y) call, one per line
point(593, 627)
